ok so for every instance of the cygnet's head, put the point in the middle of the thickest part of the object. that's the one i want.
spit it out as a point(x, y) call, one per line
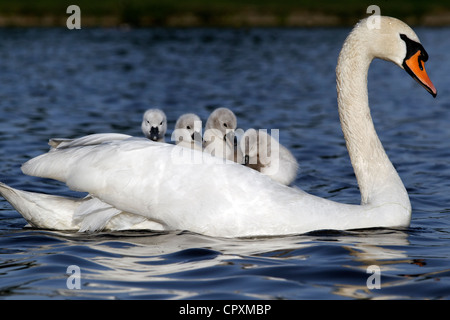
point(188, 126)
point(222, 123)
point(154, 124)
point(222, 119)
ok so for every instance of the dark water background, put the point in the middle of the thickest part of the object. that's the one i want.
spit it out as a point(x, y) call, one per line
point(62, 83)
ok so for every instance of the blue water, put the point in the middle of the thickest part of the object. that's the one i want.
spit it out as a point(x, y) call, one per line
point(63, 83)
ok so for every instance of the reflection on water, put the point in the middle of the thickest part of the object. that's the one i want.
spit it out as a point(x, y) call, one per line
point(55, 83)
point(185, 265)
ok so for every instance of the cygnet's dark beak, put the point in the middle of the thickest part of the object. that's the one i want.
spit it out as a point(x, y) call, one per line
point(196, 136)
point(246, 159)
point(154, 133)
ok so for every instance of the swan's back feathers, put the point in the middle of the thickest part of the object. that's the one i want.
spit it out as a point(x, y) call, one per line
point(93, 139)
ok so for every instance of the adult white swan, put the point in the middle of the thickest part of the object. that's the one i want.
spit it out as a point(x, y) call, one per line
point(140, 177)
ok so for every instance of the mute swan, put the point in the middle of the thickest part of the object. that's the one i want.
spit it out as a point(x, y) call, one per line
point(219, 138)
point(140, 177)
point(187, 132)
point(263, 153)
point(154, 125)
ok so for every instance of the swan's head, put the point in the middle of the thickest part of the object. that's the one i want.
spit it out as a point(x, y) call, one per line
point(189, 126)
point(154, 124)
point(393, 40)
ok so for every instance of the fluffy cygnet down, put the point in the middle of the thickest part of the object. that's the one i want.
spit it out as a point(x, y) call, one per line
point(187, 132)
point(264, 153)
point(219, 139)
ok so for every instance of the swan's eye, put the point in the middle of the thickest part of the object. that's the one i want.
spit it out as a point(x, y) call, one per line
point(160, 123)
point(188, 127)
point(412, 47)
point(148, 122)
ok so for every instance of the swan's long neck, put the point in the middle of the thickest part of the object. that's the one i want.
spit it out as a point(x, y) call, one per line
point(378, 181)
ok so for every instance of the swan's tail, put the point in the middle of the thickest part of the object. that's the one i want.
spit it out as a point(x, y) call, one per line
point(72, 214)
point(42, 210)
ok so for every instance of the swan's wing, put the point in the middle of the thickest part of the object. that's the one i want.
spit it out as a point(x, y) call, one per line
point(90, 140)
point(94, 214)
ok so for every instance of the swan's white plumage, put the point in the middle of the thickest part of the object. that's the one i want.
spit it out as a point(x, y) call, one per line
point(146, 179)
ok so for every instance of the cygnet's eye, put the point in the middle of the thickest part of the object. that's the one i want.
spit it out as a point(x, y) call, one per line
point(188, 127)
point(225, 125)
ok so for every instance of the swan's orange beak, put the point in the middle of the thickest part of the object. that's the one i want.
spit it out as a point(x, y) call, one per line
point(415, 66)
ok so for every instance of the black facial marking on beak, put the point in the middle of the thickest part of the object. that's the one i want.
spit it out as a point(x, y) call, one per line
point(414, 64)
point(412, 47)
